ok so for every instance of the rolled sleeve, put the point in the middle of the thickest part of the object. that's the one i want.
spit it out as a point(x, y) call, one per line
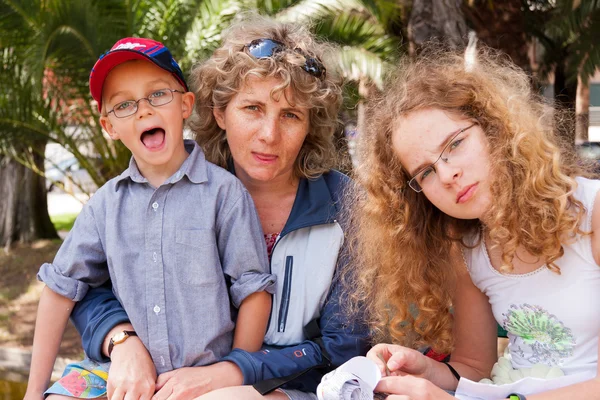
point(79, 263)
point(66, 286)
point(251, 282)
point(242, 248)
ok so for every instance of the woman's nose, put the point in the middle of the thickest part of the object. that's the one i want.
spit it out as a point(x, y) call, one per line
point(269, 131)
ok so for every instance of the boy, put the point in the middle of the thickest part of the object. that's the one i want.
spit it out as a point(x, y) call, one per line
point(178, 237)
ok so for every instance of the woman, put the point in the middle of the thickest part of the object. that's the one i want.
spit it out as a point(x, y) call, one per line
point(267, 110)
point(470, 202)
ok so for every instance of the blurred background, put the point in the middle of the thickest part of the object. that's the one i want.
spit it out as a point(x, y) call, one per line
point(53, 153)
point(50, 139)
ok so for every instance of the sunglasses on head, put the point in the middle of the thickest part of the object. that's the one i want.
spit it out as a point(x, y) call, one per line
point(265, 48)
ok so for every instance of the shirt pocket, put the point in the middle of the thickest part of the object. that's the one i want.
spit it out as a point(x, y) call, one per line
point(198, 260)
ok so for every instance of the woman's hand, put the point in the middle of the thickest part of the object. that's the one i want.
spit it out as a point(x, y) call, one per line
point(188, 383)
point(132, 374)
point(410, 388)
point(399, 361)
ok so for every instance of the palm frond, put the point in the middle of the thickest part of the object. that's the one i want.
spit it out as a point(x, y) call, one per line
point(356, 64)
point(204, 35)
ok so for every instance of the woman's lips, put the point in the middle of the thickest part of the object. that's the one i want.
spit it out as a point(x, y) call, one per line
point(466, 194)
point(264, 158)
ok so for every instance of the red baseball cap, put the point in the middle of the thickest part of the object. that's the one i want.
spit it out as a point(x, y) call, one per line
point(132, 49)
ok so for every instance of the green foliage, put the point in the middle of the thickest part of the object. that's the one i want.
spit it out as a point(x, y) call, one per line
point(568, 32)
point(361, 29)
point(63, 222)
point(48, 48)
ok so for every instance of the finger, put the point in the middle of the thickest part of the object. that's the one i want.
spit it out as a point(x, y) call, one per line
point(379, 350)
point(147, 391)
point(118, 394)
point(398, 397)
point(378, 355)
point(406, 359)
point(132, 394)
point(199, 388)
point(147, 395)
point(394, 385)
point(164, 392)
point(164, 378)
point(109, 390)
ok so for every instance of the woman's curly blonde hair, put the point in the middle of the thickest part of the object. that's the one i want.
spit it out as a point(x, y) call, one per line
point(218, 79)
point(406, 251)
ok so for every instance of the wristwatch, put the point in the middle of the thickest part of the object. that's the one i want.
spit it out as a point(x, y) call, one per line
point(516, 396)
point(119, 338)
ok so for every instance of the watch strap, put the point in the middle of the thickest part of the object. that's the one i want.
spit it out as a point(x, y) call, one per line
point(516, 396)
point(112, 343)
point(452, 370)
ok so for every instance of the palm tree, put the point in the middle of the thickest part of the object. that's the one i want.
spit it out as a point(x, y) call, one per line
point(568, 31)
point(23, 211)
point(49, 49)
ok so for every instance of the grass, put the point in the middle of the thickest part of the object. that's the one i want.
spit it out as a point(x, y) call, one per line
point(63, 222)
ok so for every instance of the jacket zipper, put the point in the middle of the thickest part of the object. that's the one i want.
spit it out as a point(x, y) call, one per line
point(285, 298)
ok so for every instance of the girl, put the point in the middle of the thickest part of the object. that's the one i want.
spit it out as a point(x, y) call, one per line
point(471, 203)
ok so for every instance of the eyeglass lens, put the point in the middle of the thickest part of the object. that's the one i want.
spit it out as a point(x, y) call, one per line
point(454, 148)
point(264, 48)
point(156, 99)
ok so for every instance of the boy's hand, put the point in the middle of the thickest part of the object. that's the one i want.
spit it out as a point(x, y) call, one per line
point(188, 383)
point(131, 373)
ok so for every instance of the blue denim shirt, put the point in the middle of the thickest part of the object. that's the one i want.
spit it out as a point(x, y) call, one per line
point(178, 256)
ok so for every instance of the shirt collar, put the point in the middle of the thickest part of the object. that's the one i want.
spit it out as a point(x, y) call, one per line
point(194, 167)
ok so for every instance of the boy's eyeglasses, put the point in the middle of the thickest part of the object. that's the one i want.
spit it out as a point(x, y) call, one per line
point(265, 48)
point(155, 99)
point(454, 149)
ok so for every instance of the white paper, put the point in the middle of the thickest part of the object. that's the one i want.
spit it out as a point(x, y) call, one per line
point(469, 390)
point(354, 380)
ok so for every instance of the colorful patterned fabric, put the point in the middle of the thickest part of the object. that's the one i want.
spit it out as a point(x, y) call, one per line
point(270, 239)
point(83, 380)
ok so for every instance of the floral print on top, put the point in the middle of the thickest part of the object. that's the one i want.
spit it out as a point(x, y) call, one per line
point(539, 334)
point(270, 239)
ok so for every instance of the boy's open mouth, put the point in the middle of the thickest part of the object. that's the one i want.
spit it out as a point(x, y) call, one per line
point(153, 138)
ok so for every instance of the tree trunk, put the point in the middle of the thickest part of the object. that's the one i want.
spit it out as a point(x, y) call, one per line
point(582, 109)
point(565, 94)
point(24, 206)
point(501, 25)
point(436, 19)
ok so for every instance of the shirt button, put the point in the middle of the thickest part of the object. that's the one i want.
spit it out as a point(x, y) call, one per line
point(154, 257)
point(155, 205)
point(156, 309)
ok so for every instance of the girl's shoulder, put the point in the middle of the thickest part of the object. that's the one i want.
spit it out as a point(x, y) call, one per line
point(586, 192)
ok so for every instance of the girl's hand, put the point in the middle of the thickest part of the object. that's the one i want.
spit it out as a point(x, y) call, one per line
point(411, 388)
point(394, 360)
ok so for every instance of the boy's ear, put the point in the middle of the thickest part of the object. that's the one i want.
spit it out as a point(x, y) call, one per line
point(187, 103)
point(219, 114)
point(108, 127)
